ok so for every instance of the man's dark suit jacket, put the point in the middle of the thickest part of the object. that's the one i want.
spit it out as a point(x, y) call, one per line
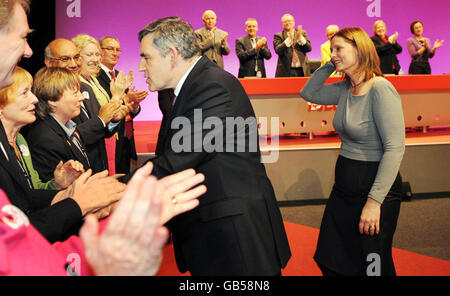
point(125, 148)
point(248, 56)
point(237, 229)
point(285, 54)
point(388, 55)
point(49, 145)
point(56, 222)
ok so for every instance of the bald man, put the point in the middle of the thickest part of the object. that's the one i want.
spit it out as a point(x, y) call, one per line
point(212, 40)
point(62, 53)
point(325, 48)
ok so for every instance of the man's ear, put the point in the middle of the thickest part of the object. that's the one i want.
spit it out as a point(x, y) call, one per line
point(47, 63)
point(174, 55)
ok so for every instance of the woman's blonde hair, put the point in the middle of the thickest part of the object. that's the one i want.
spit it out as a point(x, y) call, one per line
point(50, 84)
point(368, 59)
point(8, 94)
point(376, 23)
point(82, 40)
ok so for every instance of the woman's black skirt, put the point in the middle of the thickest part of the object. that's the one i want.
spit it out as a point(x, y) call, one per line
point(419, 67)
point(340, 247)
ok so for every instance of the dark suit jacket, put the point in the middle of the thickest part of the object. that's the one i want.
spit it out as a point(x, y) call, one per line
point(92, 131)
point(55, 223)
point(285, 54)
point(249, 56)
point(237, 229)
point(125, 148)
point(388, 55)
point(49, 145)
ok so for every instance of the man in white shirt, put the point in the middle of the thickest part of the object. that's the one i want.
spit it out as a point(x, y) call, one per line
point(125, 144)
point(251, 51)
point(237, 229)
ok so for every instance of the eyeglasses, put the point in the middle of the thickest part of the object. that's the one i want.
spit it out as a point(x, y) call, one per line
point(112, 49)
point(66, 59)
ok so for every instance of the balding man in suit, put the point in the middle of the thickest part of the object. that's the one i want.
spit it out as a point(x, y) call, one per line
point(212, 40)
point(291, 45)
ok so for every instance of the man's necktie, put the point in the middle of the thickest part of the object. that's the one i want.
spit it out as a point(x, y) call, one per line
point(113, 75)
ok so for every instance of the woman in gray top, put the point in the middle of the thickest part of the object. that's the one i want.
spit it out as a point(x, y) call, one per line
point(361, 214)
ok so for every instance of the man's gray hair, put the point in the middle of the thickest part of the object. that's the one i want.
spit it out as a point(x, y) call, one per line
point(101, 40)
point(250, 19)
point(6, 8)
point(172, 31)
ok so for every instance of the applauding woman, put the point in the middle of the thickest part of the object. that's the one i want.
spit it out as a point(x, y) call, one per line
point(56, 214)
point(361, 214)
point(387, 48)
point(420, 49)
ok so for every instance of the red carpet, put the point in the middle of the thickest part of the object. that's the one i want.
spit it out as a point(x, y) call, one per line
point(303, 239)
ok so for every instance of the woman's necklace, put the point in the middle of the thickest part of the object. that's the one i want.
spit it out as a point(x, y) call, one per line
point(358, 84)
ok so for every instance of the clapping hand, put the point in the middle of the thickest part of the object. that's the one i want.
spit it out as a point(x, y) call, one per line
point(133, 239)
point(120, 84)
point(224, 38)
point(438, 44)
point(66, 173)
point(393, 38)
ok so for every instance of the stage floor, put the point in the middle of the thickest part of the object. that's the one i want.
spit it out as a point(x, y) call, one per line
point(146, 136)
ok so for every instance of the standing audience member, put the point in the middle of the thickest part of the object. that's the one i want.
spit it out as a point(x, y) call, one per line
point(212, 40)
point(387, 48)
point(237, 229)
point(420, 49)
point(57, 215)
point(125, 146)
point(366, 194)
point(325, 48)
point(251, 51)
point(55, 137)
point(291, 45)
point(118, 250)
point(94, 122)
point(97, 97)
point(62, 53)
point(65, 173)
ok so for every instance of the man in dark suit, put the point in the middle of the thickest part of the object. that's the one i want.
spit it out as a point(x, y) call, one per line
point(251, 51)
point(291, 45)
point(125, 145)
point(237, 229)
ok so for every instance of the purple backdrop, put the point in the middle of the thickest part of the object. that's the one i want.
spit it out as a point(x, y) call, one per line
point(124, 19)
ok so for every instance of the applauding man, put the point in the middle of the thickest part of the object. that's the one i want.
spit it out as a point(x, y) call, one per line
point(212, 40)
point(251, 51)
point(291, 45)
